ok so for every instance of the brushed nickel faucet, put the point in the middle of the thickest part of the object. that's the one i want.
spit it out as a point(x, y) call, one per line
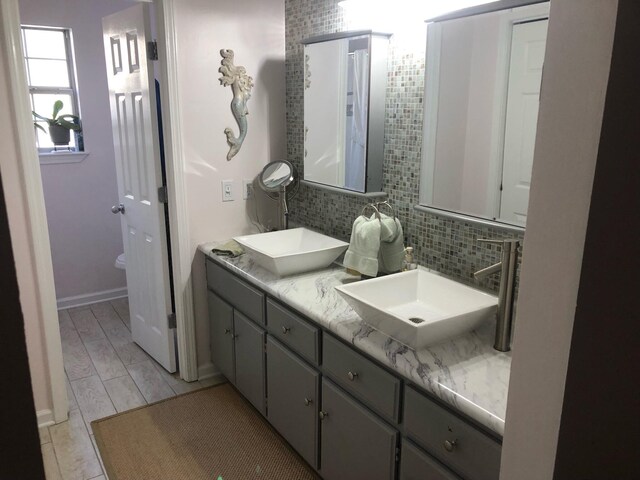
point(507, 268)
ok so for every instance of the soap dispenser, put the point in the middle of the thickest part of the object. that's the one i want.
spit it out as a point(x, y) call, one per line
point(409, 263)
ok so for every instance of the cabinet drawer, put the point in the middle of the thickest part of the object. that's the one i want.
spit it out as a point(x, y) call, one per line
point(417, 465)
point(239, 294)
point(295, 332)
point(371, 384)
point(474, 455)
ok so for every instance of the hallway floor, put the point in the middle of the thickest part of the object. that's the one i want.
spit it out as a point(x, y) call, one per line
point(106, 374)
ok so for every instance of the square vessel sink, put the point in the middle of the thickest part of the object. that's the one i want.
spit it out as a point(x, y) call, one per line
point(298, 250)
point(419, 308)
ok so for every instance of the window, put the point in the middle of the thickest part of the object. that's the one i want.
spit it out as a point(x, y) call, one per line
point(51, 77)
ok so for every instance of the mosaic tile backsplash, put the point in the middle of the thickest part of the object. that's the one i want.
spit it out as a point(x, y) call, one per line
point(443, 244)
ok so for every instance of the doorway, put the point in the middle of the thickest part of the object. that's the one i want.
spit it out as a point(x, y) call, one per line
point(24, 171)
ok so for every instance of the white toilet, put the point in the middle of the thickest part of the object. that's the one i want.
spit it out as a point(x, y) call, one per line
point(121, 262)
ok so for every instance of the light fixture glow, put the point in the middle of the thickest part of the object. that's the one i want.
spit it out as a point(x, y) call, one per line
point(394, 16)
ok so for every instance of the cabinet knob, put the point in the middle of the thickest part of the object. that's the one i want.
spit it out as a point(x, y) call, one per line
point(227, 331)
point(308, 401)
point(285, 330)
point(323, 415)
point(352, 376)
point(234, 336)
point(449, 446)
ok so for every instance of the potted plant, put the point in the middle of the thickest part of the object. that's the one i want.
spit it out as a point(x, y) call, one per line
point(59, 126)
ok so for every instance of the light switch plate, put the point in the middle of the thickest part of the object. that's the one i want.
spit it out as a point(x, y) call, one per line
point(227, 191)
point(247, 188)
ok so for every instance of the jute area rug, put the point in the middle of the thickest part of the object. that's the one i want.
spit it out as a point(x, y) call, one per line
point(209, 434)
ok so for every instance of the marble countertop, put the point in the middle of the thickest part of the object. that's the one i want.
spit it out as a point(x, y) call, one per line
point(465, 372)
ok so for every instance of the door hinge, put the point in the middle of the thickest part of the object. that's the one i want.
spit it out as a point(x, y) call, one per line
point(152, 50)
point(163, 194)
point(172, 320)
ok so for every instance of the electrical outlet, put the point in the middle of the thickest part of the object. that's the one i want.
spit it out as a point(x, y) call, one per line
point(247, 188)
point(227, 191)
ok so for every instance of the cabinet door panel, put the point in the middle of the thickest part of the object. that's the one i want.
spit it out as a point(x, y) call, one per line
point(221, 335)
point(292, 389)
point(355, 443)
point(249, 348)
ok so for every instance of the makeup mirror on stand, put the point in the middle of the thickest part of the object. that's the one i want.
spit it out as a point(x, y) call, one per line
point(279, 180)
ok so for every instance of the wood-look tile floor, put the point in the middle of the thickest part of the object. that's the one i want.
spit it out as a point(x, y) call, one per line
point(106, 373)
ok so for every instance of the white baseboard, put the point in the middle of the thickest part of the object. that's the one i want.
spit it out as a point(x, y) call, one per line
point(89, 298)
point(208, 370)
point(45, 418)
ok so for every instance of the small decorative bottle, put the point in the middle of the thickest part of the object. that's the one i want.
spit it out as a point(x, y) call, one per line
point(408, 263)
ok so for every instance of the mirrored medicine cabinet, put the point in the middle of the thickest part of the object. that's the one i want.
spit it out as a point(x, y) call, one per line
point(345, 80)
point(482, 89)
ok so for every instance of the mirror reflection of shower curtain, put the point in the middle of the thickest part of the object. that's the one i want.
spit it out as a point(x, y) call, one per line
point(355, 158)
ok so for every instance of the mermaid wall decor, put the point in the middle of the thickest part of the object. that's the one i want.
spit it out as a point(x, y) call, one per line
point(236, 77)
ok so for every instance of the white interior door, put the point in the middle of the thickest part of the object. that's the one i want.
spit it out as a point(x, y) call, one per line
point(525, 75)
point(137, 149)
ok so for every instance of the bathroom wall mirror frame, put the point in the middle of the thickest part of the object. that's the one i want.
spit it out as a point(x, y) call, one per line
point(345, 80)
point(482, 88)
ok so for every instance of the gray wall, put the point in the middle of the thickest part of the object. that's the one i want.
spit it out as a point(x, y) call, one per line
point(446, 245)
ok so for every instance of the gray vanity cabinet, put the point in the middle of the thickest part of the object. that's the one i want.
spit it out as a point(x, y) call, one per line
point(250, 361)
point(355, 443)
point(342, 411)
point(293, 392)
point(221, 335)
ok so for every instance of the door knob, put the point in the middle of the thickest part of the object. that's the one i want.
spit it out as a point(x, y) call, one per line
point(118, 208)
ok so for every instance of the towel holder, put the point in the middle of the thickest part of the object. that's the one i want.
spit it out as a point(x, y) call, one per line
point(387, 204)
point(375, 209)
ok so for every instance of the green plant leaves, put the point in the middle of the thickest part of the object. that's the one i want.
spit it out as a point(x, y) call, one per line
point(72, 122)
point(66, 124)
point(57, 106)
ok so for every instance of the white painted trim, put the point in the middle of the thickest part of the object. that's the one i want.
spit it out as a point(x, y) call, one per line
point(44, 418)
point(89, 298)
point(208, 370)
point(172, 120)
point(57, 158)
point(31, 183)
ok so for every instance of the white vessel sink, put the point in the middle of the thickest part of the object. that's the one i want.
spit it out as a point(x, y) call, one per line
point(419, 308)
point(292, 251)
